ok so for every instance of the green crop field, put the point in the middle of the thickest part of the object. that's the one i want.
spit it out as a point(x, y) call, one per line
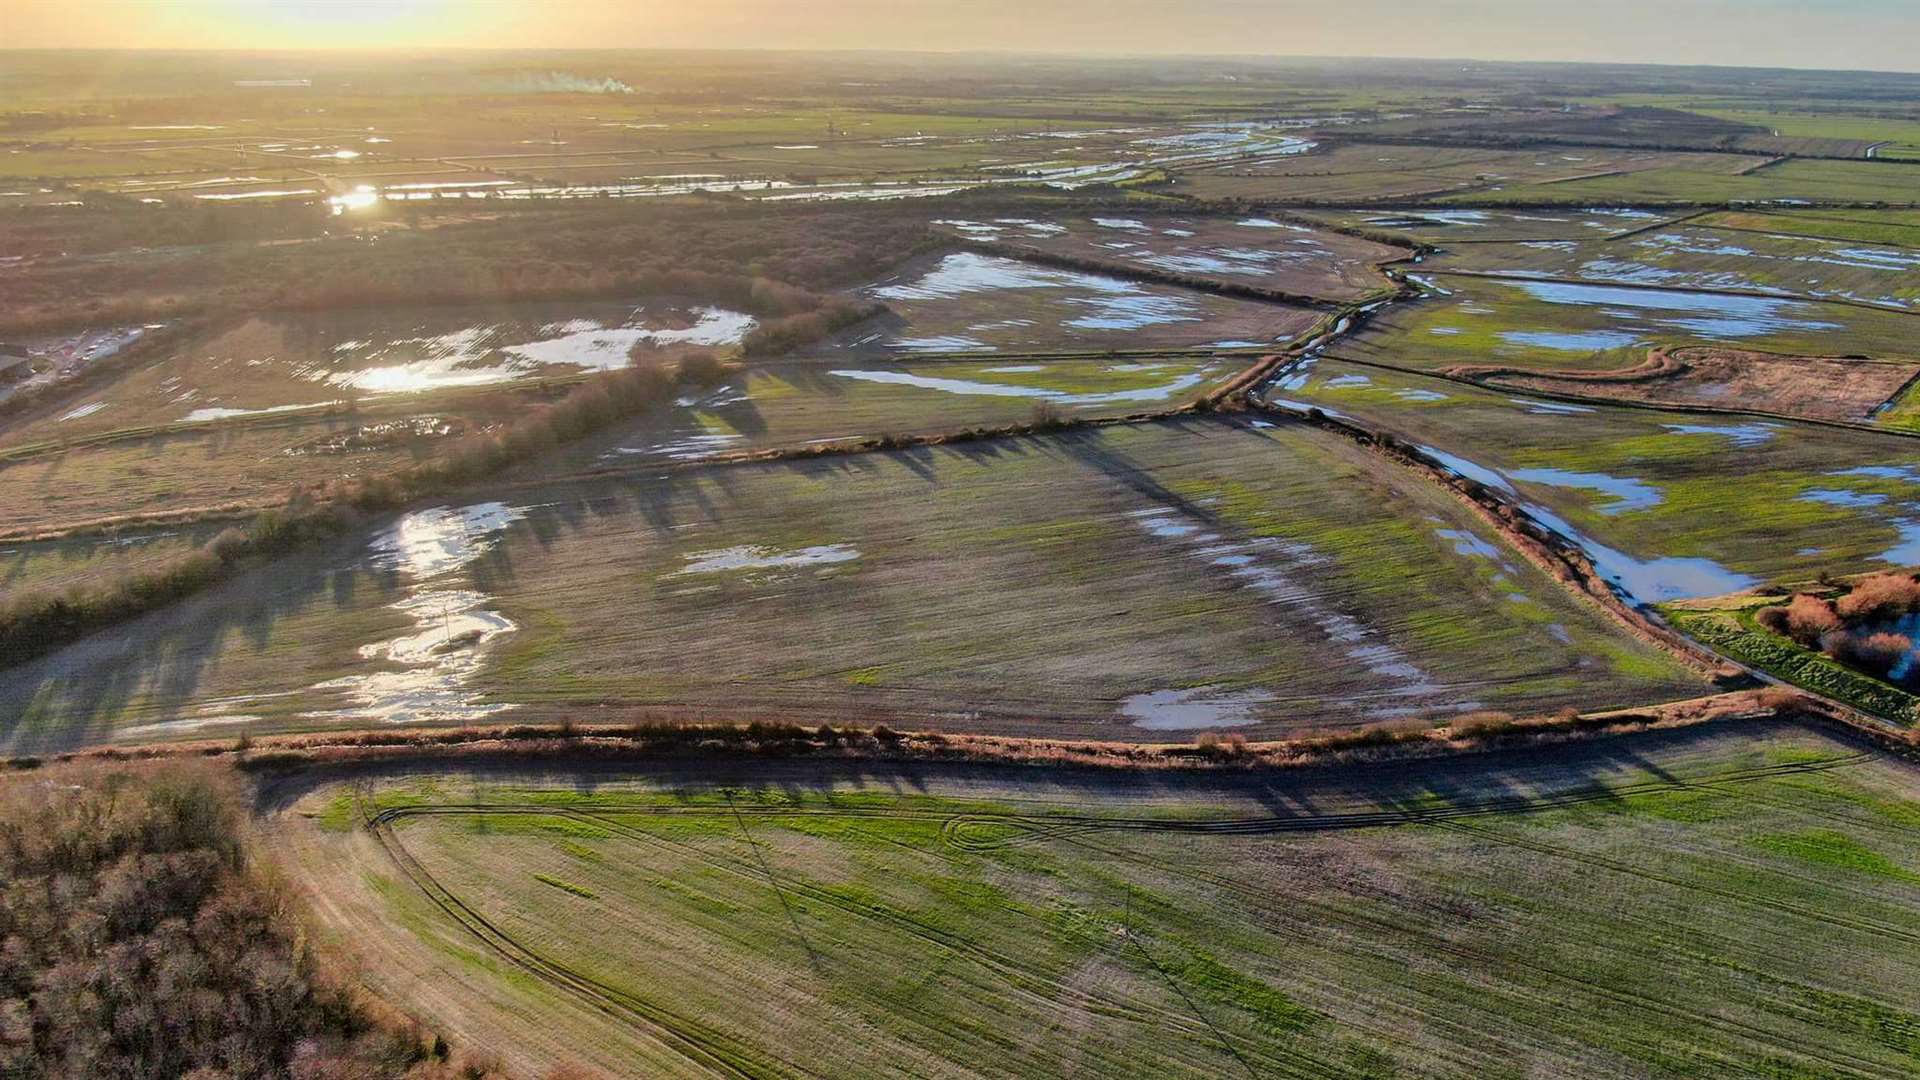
point(1670, 503)
point(1552, 325)
point(1733, 903)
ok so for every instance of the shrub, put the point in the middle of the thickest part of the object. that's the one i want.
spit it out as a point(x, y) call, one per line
point(1875, 654)
point(139, 944)
point(1808, 618)
point(1878, 598)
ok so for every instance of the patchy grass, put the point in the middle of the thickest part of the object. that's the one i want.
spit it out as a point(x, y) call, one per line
point(1175, 952)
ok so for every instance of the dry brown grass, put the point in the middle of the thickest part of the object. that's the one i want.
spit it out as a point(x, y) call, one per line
point(1838, 389)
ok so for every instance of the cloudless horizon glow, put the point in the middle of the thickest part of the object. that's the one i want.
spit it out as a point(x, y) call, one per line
point(1839, 34)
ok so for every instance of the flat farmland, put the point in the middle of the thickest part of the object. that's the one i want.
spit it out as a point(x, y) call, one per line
point(1450, 227)
point(1356, 173)
point(1552, 325)
point(245, 464)
point(1719, 178)
point(279, 362)
point(972, 302)
point(1893, 228)
point(1237, 251)
point(807, 402)
point(1688, 257)
point(1723, 902)
point(1188, 575)
point(1669, 504)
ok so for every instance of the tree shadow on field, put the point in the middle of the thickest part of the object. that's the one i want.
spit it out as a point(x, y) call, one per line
point(1296, 799)
point(77, 695)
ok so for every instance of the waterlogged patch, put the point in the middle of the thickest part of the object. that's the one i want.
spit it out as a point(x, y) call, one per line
point(1742, 435)
point(1158, 392)
point(1188, 710)
point(1712, 315)
point(1627, 493)
point(480, 355)
point(755, 557)
point(429, 542)
point(434, 664)
point(1110, 303)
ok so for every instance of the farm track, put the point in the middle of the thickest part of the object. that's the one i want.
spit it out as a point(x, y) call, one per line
point(967, 832)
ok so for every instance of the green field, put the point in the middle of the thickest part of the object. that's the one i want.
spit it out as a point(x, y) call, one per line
point(1550, 325)
point(1735, 903)
point(1670, 503)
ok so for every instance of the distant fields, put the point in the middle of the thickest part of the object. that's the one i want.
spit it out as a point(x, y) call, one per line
point(1739, 902)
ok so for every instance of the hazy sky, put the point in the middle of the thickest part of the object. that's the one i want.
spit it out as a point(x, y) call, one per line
point(1874, 34)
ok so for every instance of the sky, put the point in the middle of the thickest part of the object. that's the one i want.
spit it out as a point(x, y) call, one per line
point(1846, 34)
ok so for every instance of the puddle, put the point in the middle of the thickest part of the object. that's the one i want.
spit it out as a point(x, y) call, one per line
point(1835, 497)
point(83, 411)
point(1741, 435)
point(755, 557)
point(1628, 494)
point(1161, 392)
point(1570, 341)
point(1109, 303)
point(1279, 571)
point(1551, 408)
point(1187, 710)
point(483, 354)
point(217, 413)
point(1640, 581)
point(429, 542)
point(451, 626)
point(1712, 315)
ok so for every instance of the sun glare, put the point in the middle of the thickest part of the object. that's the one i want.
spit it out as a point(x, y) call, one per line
point(309, 23)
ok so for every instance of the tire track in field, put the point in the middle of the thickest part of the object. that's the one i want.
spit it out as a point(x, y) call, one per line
point(721, 1055)
point(701, 1045)
point(1311, 929)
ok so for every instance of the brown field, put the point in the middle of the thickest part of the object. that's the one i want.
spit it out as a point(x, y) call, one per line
point(1814, 387)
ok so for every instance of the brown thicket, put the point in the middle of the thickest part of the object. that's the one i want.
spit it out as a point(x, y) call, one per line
point(136, 941)
point(1878, 598)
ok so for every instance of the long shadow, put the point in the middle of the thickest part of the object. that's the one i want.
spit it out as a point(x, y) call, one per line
point(74, 696)
point(1513, 780)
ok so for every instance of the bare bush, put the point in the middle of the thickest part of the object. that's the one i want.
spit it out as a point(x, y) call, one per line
point(1876, 654)
point(1808, 618)
point(1878, 598)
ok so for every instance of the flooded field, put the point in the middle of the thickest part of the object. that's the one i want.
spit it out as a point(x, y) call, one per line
point(973, 302)
point(1701, 258)
point(1668, 504)
point(796, 404)
point(1465, 321)
point(1480, 226)
point(316, 360)
point(1244, 576)
point(1242, 250)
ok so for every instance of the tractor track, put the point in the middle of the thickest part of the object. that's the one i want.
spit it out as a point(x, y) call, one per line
point(721, 1055)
